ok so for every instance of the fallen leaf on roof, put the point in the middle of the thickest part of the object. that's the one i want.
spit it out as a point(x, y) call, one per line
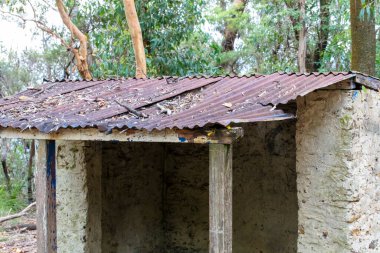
point(24, 98)
point(229, 105)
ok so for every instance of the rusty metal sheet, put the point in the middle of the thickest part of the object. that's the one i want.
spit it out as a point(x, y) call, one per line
point(160, 103)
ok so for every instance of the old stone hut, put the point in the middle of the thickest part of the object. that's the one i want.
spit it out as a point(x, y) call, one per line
point(268, 163)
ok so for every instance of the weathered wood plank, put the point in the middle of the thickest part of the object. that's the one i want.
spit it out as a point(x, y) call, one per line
point(220, 198)
point(201, 136)
point(368, 81)
point(45, 197)
point(343, 85)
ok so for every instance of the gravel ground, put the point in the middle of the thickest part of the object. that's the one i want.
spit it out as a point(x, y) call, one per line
point(15, 239)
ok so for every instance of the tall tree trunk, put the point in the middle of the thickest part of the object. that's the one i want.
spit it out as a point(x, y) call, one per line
point(230, 32)
point(363, 35)
point(324, 31)
point(302, 38)
point(81, 53)
point(137, 39)
point(299, 28)
point(32, 152)
point(45, 40)
point(4, 152)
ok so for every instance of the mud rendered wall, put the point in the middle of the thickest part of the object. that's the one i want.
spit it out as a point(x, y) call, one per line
point(79, 196)
point(338, 168)
point(155, 196)
point(132, 197)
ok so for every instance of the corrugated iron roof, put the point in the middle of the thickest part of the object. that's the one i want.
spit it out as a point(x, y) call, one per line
point(158, 103)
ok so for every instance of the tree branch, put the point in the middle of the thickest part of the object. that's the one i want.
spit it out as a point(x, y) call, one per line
point(136, 34)
point(39, 25)
point(81, 54)
point(17, 215)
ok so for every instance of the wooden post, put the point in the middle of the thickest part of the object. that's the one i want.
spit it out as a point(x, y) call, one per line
point(46, 201)
point(220, 198)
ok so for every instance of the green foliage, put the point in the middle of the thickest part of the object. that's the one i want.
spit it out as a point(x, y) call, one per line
point(11, 202)
point(338, 52)
point(17, 161)
point(368, 9)
point(13, 75)
point(184, 37)
point(267, 35)
point(29, 67)
point(174, 42)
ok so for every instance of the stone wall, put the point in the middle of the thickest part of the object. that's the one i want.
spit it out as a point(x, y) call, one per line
point(265, 195)
point(155, 196)
point(79, 196)
point(132, 197)
point(338, 150)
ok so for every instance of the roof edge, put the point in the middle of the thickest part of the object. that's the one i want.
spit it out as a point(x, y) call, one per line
point(367, 80)
point(197, 136)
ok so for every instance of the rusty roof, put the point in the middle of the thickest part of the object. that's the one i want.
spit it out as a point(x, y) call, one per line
point(159, 103)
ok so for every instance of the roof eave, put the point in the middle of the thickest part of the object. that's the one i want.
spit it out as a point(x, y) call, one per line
point(366, 80)
point(199, 136)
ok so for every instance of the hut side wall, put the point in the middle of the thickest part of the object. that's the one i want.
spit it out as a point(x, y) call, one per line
point(154, 202)
point(338, 152)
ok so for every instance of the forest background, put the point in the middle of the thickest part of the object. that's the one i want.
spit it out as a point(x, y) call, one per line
point(180, 38)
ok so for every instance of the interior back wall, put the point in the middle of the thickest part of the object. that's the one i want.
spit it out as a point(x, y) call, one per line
point(155, 196)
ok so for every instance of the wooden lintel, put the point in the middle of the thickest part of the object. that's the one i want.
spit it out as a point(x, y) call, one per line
point(202, 136)
point(343, 85)
point(220, 198)
point(46, 197)
point(368, 81)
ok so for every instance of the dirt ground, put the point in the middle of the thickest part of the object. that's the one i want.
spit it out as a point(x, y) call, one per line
point(19, 235)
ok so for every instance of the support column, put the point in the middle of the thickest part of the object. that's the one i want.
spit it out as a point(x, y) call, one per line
point(338, 171)
point(220, 198)
point(45, 197)
point(79, 196)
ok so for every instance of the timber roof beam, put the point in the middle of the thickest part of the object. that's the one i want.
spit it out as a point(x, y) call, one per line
point(200, 136)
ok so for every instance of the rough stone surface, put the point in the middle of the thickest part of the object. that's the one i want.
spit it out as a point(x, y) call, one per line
point(338, 171)
point(186, 198)
point(265, 195)
point(154, 202)
point(78, 196)
point(132, 197)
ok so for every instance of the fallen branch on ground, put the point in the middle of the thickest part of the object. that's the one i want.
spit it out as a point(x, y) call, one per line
point(27, 226)
point(17, 215)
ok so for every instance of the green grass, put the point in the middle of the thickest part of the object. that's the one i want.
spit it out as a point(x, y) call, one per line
point(13, 201)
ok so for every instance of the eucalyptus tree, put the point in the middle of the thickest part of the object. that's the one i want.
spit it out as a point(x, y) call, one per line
point(231, 29)
point(80, 53)
point(363, 35)
point(269, 33)
point(136, 36)
point(172, 37)
point(38, 12)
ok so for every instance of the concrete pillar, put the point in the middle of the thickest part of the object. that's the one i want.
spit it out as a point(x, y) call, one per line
point(79, 196)
point(338, 171)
